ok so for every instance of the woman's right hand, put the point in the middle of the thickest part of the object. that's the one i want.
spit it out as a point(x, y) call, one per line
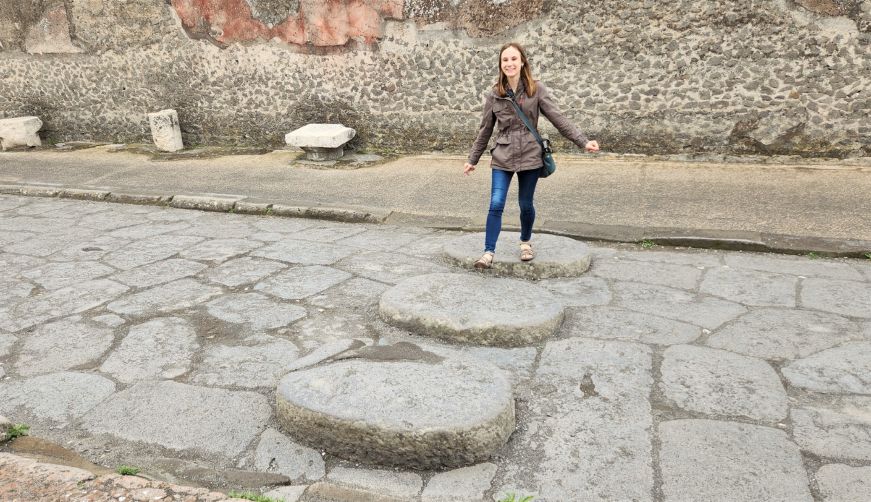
point(468, 168)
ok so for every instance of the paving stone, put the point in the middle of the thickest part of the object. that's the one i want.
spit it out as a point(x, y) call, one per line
point(59, 303)
point(219, 250)
point(417, 411)
point(581, 450)
point(57, 397)
point(159, 348)
point(840, 370)
point(149, 229)
point(159, 272)
point(466, 483)
point(6, 342)
point(220, 226)
point(172, 214)
point(376, 239)
point(429, 245)
point(62, 345)
point(615, 323)
point(15, 263)
point(330, 232)
point(282, 225)
point(867, 331)
point(347, 485)
point(176, 295)
point(849, 298)
point(665, 274)
point(258, 312)
point(210, 420)
point(13, 290)
point(448, 306)
point(268, 236)
point(839, 430)
point(300, 282)
point(43, 226)
point(579, 291)
point(716, 382)
point(676, 304)
point(780, 334)
point(729, 461)
point(243, 270)
point(90, 250)
point(304, 253)
point(803, 266)
point(843, 483)
point(287, 493)
point(704, 258)
point(324, 352)
point(354, 293)
point(388, 267)
point(750, 287)
point(318, 328)
point(258, 361)
point(14, 237)
point(57, 275)
point(277, 453)
point(149, 250)
point(555, 256)
point(110, 220)
point(110, 320)
point(54, 242)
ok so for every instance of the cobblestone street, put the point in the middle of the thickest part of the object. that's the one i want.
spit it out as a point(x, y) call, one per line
point(156, 337)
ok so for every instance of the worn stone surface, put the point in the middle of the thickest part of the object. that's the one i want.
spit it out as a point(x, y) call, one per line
point(395, 413)
point(389, 267)
point(554, 256)
point(159, 348)
point(621, 324)
point(448, 306)
point(20, 131)
point(664, 274)
point(581, 452)
point(841, 370)
point(257, 312)
point(850, 298)
point(841, 430)
point(297, 283)
point(219, 249)
point(843, 483)
point(354, 293)
point(320, 136)
point(159, 272)
point(165, 130)
point(791, 265)
point(277, 453)
point(344, 483)
point(58, 275)
point(303, 252)
point(780, 334)
point(750, 287)
point(287, 493)
point(579, 291)
point(56, 397)
point(59, 303)
point(176, 295)
point(716, 382)
point(466, 483)
point(211, 420)
point(257, 361)
point(324, 352)
point(149, 250)
point(243, 271)
point(676, 304)
point(729, 461)
point(62, 345)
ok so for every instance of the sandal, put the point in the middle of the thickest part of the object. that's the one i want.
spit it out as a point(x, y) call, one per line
point(485, 261)
point(526, 253)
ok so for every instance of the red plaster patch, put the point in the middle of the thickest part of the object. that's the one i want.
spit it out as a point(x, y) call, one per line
point(320, 23)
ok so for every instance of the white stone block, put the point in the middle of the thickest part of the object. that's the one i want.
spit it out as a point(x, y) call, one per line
point(165, 130)
point(20, 131)
point(320, 136)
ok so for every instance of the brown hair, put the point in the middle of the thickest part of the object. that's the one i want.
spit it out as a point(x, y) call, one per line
point(525, 72)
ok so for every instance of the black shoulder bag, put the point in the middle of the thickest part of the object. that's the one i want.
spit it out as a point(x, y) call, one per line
point(548, 166)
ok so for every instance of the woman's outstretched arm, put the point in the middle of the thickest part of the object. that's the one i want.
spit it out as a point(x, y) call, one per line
point(562, 124)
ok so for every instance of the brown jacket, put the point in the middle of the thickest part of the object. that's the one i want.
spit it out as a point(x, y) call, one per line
point(516, 148)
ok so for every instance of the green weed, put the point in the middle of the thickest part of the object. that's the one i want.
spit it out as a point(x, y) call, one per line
point(17, 430)
point(513, 498)
point(127, 470)
point(646, 244)
point(868, 255)
point(253, 497)
point(812, 255)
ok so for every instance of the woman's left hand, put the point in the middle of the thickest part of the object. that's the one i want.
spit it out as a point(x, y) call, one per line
point(592, 146)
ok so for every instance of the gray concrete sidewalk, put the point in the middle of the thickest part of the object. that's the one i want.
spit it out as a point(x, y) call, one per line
point(782, 204)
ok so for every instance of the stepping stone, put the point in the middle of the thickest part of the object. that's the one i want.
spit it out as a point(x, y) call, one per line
point(321, 141)
point(165, 130)
point(20, 131)
point(554, 256)
point(473, 309)
point(400, 406)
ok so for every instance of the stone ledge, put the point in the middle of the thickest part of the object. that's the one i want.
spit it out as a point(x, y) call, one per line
point(83, 194)
point(204, 202)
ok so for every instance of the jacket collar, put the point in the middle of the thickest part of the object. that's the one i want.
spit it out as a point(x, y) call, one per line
point(521, 89)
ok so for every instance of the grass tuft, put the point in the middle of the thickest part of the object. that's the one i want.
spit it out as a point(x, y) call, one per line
point(646, 244)
point(127, 470)
point(17, 430)
point(253, 497)
point(513, 498)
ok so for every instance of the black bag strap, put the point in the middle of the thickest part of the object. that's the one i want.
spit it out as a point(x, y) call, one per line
point(526, 121)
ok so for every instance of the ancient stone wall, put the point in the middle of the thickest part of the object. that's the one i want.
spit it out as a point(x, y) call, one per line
point(732, 76)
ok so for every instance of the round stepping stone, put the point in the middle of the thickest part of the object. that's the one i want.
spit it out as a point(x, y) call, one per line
point(425, 414)
point(554, 256)
point(472, 309)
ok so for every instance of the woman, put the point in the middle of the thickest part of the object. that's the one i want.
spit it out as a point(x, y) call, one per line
point(516, 149)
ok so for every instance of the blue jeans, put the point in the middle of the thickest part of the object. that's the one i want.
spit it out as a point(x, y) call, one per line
point(498, 192)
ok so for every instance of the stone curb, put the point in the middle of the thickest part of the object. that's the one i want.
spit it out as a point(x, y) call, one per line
point(698, 238)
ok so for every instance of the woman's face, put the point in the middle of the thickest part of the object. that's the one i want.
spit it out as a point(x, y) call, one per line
point(510, 62)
